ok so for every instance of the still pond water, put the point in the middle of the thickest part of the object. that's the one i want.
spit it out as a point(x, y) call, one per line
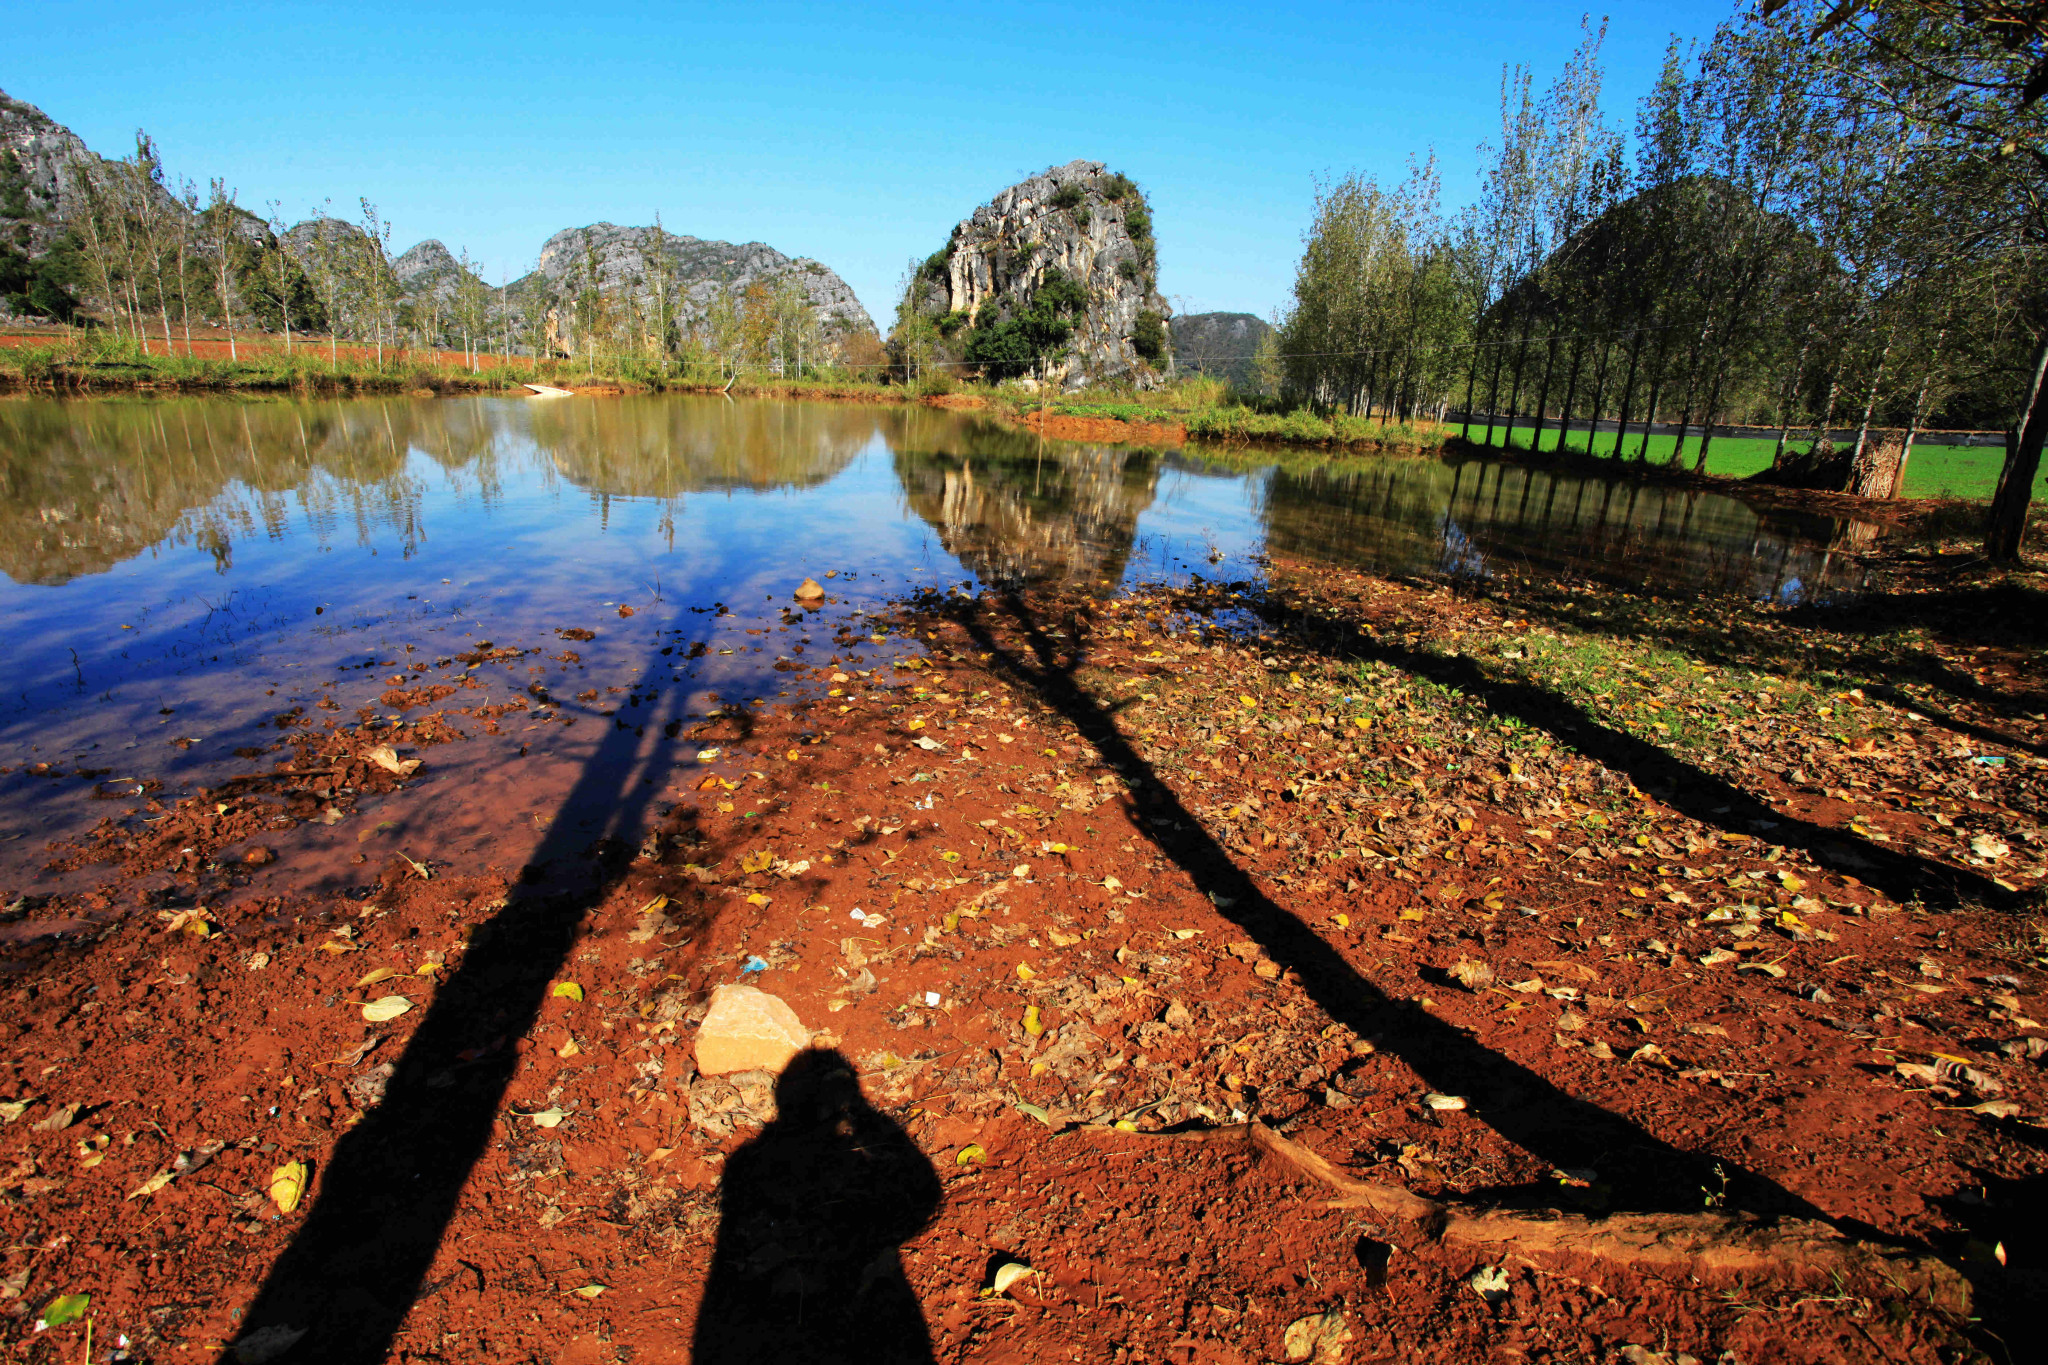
point(179, 570)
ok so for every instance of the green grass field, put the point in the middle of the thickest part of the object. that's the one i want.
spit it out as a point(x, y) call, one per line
point(1933, 472)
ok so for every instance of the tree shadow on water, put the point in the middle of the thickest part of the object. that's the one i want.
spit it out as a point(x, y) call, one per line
point(811, 1213)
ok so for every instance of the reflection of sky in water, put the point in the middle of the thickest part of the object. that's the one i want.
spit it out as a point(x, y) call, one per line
point(190, 567)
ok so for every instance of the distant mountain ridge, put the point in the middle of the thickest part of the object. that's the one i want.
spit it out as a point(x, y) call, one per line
point(620, 259)
point(41, 187)
point(1220, 344)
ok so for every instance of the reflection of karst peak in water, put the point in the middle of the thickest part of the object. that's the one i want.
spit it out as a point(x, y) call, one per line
point(1014, 510)
point(1478, 519)
point(656, 447)
point(87, 485)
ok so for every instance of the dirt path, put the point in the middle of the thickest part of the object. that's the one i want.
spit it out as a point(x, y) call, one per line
point(1564, 899)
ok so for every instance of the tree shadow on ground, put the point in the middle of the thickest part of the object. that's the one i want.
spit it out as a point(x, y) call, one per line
point(1694, 792)
point(341, 1291)
point(811, 1213)
point(1647, 1173)
point(1847, 640)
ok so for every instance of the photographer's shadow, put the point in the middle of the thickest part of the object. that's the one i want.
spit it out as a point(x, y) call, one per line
point(811, 1213)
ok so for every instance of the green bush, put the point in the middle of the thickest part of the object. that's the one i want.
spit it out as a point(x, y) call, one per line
point(1067, 197)
point(1148, 336)
point(1118, 186)
point(1007, 347)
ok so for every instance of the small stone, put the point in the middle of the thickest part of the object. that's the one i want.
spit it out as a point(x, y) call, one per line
point(809, 592)
point(259, 857)
point(748, 1030)
point(1266, 969)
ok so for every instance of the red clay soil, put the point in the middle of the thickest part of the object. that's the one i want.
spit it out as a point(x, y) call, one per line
point(213, 344)
point(1106, 430)
point(1064, 884)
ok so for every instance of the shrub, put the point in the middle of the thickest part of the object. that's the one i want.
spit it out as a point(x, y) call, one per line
point(936, 385)
point(1138, 222)
point(1118, 186)
point(1127, 269)
point(1067, 197)
point(1148, 336)
point(1006, 347)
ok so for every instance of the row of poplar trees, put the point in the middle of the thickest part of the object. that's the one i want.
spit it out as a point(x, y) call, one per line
point(152, 258)
point(1828, 220)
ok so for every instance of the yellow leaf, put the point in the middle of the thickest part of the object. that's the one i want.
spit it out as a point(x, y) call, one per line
point(1008, 1274)
point(1246, 700)
point(288, 1185)
point(757, 861)
point(948, 855)
point(372, 978)
point(1025, 972)
point(1364, 722)
point(1790, 882)
point(390, 1007)
point(756, 898)
point(550, 1117)
point(1343, 921)
point(567, 990)
point(590, 1291)
point(1032, 1025)
point(1493, 900)
point(332, 947)
point(569, 1049)
point(971, 1154)
point(913, 725)
point(1639, 892)
point(153, 1184)
point(1411, 914)
point(1463, 825)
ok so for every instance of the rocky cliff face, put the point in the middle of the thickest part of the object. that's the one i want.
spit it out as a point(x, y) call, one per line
point(39, 160)
point(1221, 344)
point(428, 268)
point(618, 258)
point(1055, 278)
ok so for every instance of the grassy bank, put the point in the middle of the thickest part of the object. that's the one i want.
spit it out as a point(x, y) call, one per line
point(1935, 471)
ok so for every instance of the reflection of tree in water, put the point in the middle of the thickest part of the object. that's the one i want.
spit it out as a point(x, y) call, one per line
point(1476, 518)
point(663, 447)
point(1015, 510)
point(84, 486)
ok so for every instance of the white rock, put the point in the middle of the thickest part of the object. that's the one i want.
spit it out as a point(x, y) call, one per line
point(747, 1030)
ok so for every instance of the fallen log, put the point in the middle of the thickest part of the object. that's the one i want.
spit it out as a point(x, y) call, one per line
point(1708, 1248)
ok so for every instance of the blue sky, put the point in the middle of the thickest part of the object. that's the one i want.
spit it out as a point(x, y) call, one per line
point(858, 135)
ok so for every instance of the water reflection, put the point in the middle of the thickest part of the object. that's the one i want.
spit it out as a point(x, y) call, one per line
point(1013, 511)
point(178, 571)
point(1479, 520)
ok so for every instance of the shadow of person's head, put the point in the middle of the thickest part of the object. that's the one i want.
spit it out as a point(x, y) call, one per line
point(812, 1210)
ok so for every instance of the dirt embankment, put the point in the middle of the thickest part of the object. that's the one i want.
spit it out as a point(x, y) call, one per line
point(1488, 905)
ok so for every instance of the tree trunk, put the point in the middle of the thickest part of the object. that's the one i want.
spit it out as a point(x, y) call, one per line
point(1543, 391)
point(1628, 392)
point(1493, 392)
point(1471, 380)
point(1599, 394)
point(1571, 391)
point(1515, 391)
point(1707, 435)
point(1870, 399)
point(2009, 505)
point(1650, 414)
